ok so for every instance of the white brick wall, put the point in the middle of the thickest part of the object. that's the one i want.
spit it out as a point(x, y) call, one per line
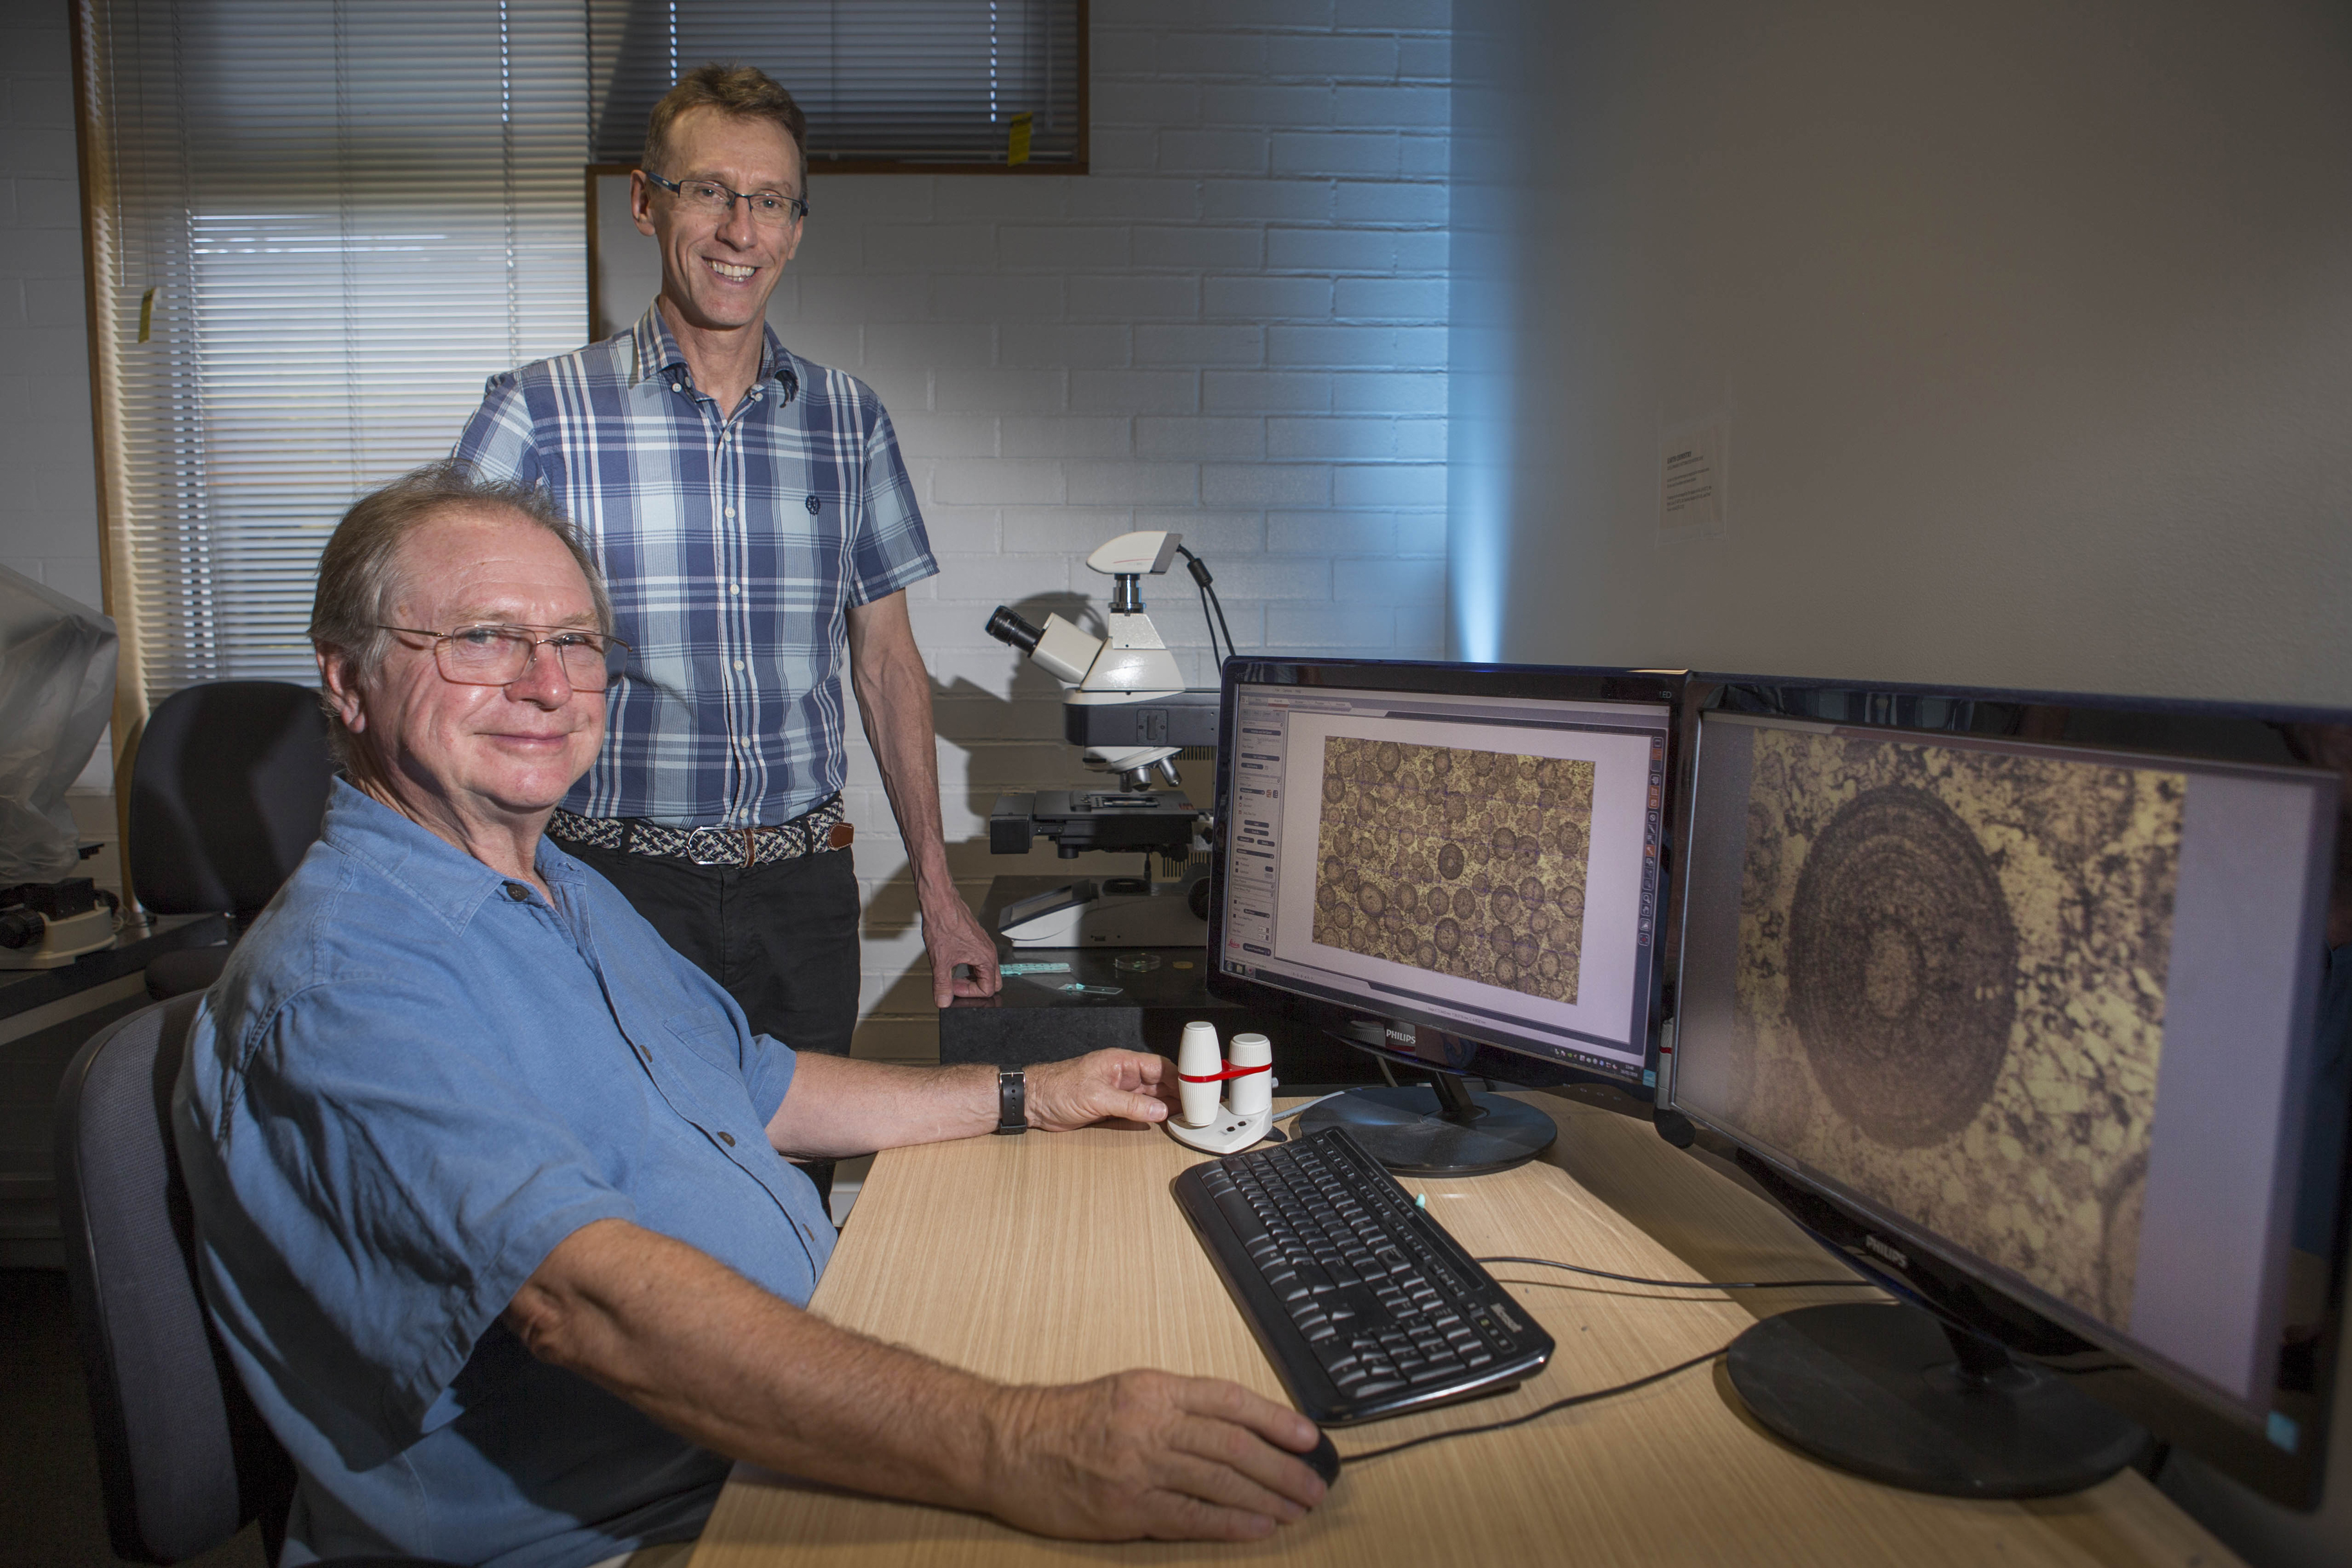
point(1234, 327)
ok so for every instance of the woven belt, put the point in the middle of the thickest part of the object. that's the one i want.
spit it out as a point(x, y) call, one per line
point(820, 828)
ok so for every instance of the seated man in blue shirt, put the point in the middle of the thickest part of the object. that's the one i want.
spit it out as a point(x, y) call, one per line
point(488, 1193)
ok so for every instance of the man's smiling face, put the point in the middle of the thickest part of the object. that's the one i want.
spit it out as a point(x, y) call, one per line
point(449, 754)
point(718, 272)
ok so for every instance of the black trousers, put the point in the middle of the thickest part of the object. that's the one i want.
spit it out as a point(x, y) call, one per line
point(780, 938)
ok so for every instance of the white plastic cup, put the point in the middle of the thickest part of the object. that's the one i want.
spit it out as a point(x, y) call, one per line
point(1252, 1093)
point(1197, 1056)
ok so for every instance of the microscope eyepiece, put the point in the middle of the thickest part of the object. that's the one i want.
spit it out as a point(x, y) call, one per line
point(1006, 626)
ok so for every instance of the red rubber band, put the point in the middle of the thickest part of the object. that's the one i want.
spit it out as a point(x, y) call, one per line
point(1228, 1072)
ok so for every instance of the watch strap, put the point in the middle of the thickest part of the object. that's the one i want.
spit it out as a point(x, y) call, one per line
point(1012, 1101)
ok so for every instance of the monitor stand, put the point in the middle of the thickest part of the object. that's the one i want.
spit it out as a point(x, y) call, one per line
point(1894, 1393)
point(1437, 1129)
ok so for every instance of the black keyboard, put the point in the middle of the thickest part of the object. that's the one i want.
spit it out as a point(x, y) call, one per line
point(1362, 1302)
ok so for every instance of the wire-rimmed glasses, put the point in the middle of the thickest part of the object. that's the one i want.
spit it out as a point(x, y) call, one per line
point(491, 655)
point(769, 209)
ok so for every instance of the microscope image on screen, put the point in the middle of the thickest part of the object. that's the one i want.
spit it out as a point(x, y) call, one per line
point(1966, 954)
point(1460, 862)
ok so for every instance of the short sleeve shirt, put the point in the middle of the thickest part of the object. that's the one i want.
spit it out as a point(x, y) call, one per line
point(734, 543)
point(414, 1079)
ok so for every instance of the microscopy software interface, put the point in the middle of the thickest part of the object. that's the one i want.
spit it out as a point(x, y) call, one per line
point(2040, 1001)
point(1487, 863)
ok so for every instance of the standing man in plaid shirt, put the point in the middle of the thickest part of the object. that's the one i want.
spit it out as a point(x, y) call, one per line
point(758, 530)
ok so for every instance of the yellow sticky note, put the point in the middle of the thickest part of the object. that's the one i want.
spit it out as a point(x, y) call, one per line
point(146, 313)
point(1016, 139)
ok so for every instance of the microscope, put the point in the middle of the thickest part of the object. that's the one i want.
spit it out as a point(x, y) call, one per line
point(1128, 713)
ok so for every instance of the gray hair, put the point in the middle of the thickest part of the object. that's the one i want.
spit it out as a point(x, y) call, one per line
point(360, 575)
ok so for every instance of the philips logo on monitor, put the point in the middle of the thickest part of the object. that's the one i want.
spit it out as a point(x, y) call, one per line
point(1884, 1251)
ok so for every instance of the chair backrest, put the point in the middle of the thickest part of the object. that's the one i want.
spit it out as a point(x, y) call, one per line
point(227, 791)
point(184, 1458)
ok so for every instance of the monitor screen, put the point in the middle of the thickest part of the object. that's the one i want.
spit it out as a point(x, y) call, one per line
point(1473, 850)
point(2040, 1009)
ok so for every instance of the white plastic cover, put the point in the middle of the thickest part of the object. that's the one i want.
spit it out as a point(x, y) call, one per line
point(57, 689)
point(1143, 554)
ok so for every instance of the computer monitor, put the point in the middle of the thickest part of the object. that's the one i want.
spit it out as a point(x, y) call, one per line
point(1453, 865)
point(2030, 1005)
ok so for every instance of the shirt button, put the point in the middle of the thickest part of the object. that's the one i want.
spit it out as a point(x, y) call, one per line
point(730, 511)
point(734, 588)
point(519, 893)
point(677, 386)
point(728, 1139)
point(738, 663)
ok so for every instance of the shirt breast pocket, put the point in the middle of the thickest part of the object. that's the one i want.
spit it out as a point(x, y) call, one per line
point(710, 1041)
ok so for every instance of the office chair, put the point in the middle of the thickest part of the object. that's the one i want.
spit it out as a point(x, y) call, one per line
point(184, 1460)
point(226, 792)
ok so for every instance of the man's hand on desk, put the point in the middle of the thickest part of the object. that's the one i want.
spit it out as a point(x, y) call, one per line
point(1102, 1084)
point(717, 1360)
point(1149, 1454)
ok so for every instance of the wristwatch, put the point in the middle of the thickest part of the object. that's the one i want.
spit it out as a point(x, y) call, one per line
point(1012, 1101)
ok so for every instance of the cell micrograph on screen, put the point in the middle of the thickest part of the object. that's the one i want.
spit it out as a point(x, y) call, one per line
point(1950, 990)
point(1462, 862)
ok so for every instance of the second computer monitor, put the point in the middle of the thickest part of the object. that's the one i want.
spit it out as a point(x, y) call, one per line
point(2020, 997)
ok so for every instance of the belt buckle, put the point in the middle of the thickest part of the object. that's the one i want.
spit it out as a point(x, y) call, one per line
point(732, 841)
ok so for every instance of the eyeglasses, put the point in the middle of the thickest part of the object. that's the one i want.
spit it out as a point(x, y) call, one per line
point(769, 209)
point(490, 655)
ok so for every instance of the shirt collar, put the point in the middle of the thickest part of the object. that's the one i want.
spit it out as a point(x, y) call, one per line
point(446, 880)
point(658, 353)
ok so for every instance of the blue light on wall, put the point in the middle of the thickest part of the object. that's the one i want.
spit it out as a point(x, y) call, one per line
point(1479, 438)
point(1477, 531)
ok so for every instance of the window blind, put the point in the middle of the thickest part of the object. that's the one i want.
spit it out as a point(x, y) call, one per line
point(882, 81)
point(315, 228)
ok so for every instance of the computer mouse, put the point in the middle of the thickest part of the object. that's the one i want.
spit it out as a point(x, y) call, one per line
point(1323, 1458)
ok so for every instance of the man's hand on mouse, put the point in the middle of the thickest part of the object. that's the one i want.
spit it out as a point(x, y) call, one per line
point(1138, 1086)
point(1148, 1454)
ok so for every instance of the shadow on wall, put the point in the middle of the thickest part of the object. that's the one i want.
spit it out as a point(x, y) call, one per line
point(1010, 741)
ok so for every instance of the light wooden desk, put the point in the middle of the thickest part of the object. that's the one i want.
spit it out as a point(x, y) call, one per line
point(1058, 1258)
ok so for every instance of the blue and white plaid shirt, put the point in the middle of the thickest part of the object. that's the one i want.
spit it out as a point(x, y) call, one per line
point(733, 549)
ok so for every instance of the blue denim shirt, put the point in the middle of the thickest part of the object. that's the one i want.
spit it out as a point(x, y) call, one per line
point(414, 1079)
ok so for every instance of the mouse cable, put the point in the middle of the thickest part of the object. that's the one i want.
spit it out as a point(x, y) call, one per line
point(1697, 1284)
point(1573, 1400)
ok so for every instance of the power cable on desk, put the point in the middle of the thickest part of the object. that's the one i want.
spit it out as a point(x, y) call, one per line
point(1697, 1284)
point(1573, 1400)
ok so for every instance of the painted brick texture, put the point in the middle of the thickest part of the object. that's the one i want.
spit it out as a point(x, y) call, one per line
point(1235, 327)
